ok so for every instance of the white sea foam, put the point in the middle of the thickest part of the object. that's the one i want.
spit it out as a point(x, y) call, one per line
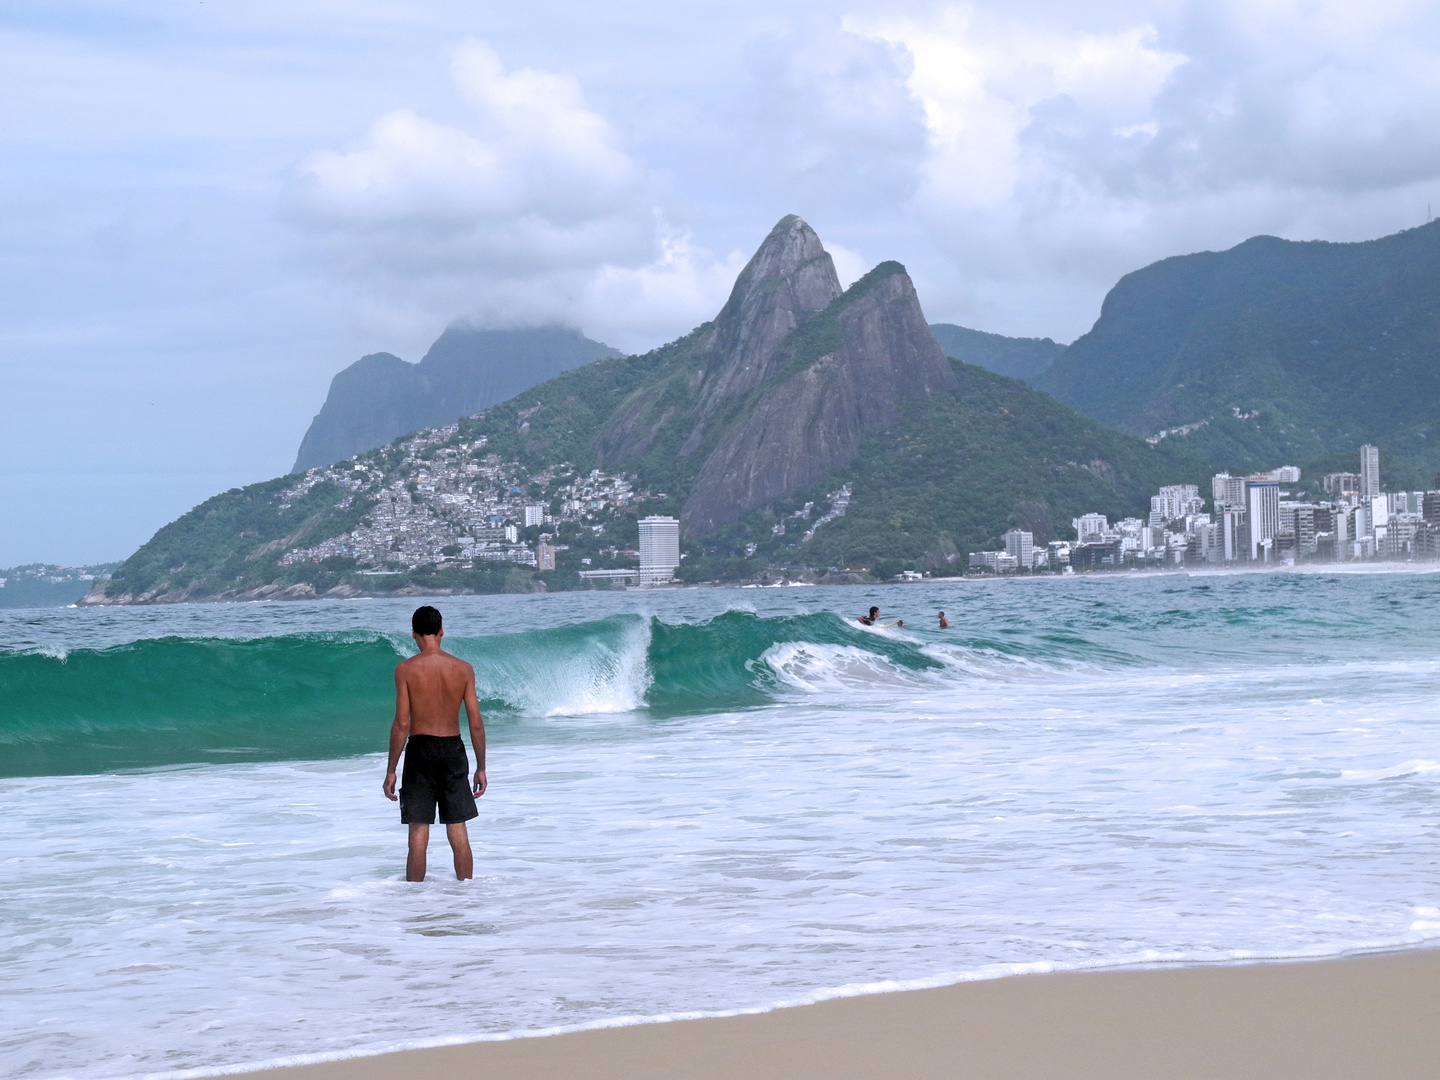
point(840, 669)
point(1403, 771)
point(608, 674)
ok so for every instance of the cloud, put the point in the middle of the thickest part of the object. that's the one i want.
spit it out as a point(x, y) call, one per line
point(827, 120)
point(528, 211)
point(1070, 146)
point(983, 79)
point(536, 181)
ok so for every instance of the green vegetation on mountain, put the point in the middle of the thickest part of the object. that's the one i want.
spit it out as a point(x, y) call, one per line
point(959, 469)
point(1274, 352)
point(1019, 358)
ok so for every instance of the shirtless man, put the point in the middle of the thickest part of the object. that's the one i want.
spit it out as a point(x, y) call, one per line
point(429, 689)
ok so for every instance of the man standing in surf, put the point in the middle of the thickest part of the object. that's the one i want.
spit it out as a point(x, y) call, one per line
point(429, 690)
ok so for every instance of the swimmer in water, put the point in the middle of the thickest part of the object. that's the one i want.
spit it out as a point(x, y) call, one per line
point(869, 620)
point(944, 622)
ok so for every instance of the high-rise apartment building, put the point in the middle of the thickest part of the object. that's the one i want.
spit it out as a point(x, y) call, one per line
point(1369, 471)
point(1342, 483)
point(1205, 544)
point(534, 515)
point(1308, 521)
point(544, 556)
point(1021, 544)
point(1263, 511)
point(1175, 501)
point(659, 549)
point(1228, 490)
point(1234, 538)
point(1090, 528)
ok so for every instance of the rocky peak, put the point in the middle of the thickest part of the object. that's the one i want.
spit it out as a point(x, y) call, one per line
point(846, 374)
point(790, 279)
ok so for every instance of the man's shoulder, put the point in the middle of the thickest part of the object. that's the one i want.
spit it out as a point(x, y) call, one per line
point(457, 663)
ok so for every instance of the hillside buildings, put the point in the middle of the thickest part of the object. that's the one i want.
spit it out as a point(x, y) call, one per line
point(429, 499)
point(1253, 521)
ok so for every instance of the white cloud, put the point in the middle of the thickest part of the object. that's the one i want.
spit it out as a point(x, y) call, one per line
point(528, 212)
point(536, 181)
point(1067, 148)
point(980, 78)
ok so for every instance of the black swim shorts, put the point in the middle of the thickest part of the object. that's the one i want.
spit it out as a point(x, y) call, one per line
point(436, 771)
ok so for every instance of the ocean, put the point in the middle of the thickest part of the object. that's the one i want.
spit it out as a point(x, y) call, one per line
point(701, 801)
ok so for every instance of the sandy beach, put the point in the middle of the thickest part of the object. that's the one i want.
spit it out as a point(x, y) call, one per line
point(1376, 1017)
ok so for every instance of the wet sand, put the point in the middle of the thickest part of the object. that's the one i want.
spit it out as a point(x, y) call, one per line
point(1370, 1017)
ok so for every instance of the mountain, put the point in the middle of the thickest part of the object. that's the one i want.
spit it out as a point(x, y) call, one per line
point(785, 383)
point(1274, 351)
point(380, 396)
point(1020, 358)
point(805, 425)
point(961, 467)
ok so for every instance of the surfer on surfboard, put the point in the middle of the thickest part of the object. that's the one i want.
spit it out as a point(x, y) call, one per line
point(873, 619)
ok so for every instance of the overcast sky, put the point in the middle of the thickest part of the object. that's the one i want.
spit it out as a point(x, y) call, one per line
point(210, 207)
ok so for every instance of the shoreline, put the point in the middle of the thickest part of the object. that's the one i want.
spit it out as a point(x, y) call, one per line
point(1370, 1015)
point(1304, 569)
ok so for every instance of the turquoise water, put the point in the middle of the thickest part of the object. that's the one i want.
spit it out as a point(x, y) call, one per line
point(701, 800)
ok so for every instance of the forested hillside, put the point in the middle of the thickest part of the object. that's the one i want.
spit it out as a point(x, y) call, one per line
point(1020, 358)
point(1274, 351)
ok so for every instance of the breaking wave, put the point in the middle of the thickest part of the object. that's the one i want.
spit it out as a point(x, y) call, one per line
point(175, 700)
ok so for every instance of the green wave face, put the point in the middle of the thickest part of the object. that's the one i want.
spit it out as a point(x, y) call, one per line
point(171, 701)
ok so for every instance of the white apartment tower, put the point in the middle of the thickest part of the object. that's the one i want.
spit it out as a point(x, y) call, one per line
point(1021, 544)
point(534, 515)
point(659, 549)
point(1369, 471)
point(1263, 506)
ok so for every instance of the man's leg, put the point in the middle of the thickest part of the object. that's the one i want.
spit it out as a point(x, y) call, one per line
point(415, 862)
point(459, 838)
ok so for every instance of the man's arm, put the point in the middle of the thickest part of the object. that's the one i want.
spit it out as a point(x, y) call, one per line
point(477, 733)
point(399, 732)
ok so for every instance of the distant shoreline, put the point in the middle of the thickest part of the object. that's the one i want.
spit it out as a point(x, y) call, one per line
point(1307, 569)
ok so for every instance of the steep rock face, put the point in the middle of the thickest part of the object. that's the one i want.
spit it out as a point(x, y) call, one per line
point(790, 279)
point(833, 381)
point(381, 397)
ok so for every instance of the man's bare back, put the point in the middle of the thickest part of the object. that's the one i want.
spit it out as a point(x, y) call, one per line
point(430, 688)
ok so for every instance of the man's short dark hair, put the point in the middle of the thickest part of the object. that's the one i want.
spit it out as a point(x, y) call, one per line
point(425, 621)
point(874, 611)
